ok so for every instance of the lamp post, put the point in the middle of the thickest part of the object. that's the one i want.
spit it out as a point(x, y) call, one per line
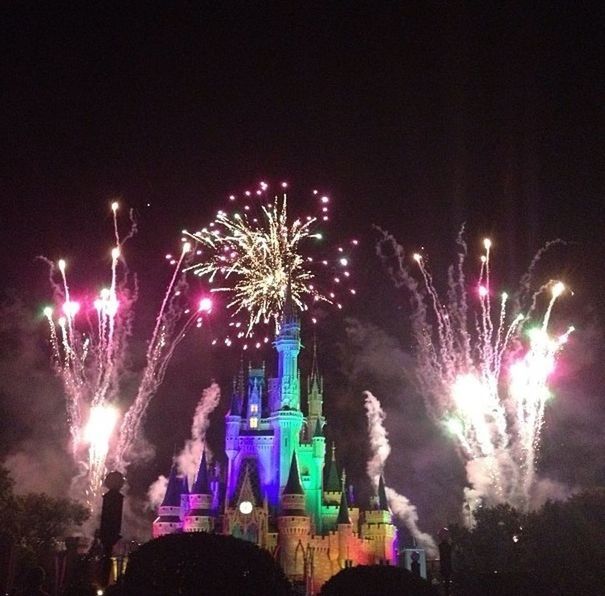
point(111, 521)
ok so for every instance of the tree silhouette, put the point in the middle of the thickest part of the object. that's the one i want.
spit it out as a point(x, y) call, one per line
point(555, 550)
point(203, 564)
point(376, 580)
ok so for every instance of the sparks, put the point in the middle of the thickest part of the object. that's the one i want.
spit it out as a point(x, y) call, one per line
point(483, 378)
point(90, 359)
point(259, 260)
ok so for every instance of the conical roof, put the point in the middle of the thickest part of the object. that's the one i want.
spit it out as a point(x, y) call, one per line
point(293, 486)
point(383, 504)
point(172, 498)
point(332, 481)
point(343, 510)
point(201, 486)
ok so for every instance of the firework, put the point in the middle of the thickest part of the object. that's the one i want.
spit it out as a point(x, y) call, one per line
point(483, 369)
point(259, 254)
point(89, 343)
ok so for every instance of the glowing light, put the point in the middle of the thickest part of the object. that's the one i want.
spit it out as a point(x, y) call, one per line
point(98, 430)
point(114, 206)
point(62, 265)
point(48, 312)
point(344, 262)
point(487, 243)
point(71, 308)
point(417, 257)
point(483, 291)
point(205, 305)
point(455, 426)
point(558, 289)
point(245, 507)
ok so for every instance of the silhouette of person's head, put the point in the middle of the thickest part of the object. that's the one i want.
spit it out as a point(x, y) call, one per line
point(35, 577)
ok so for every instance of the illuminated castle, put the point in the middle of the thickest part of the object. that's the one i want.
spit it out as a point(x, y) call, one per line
point(277, 491)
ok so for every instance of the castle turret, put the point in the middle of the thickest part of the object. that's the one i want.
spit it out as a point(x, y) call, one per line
point(344, 527)
point(256, 382)
point(315, 395)
point(332, 487)
point(379, 528)
point(315, 488)
point(287, 344)
point(237, 394)
point(294, 524)
point(184, 496)
point(233, 422)
point(200, 517)
point(169, 520)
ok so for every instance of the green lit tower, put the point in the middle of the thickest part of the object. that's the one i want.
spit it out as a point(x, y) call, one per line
point(286, 418)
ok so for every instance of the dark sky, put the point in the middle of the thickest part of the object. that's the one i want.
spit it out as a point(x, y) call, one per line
point(413, 116)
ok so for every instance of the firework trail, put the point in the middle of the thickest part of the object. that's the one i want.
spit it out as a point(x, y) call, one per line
point(260, 254)
point(400, 506)
point(88, 353)
point(482, 369)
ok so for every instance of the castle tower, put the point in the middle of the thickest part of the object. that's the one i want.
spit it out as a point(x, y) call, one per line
point(379, 528)
point(287, 343)
point(256, 382)
point(315, 387)
point(169, 520)
point(332, 487)
point(315, 486)
point(294, 525)
point(286, 419)
point(233, 422)
point(199, 517)
point(344, 527)
point(184, 497)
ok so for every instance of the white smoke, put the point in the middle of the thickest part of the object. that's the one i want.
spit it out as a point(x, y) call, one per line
point(188, 460)
point(379, 443)
point(156, 492)
point(400, 506)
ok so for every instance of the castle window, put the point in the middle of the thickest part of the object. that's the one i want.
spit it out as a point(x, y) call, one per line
point(253, 408)
point(254, 422)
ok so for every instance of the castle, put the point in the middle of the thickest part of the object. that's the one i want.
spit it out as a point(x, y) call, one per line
point(277, 491)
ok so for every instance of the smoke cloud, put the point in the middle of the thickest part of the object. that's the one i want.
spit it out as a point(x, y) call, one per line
point(188, 460)
point(156, 492)
point(400, 506)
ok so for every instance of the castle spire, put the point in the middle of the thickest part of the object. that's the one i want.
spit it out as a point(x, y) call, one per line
point(237, 397)
point(383, 504)
point(293, 486)
point(172, 498)
point(201, 486)
point(314, 367)
point(343, 511)
point(318, 429)
point(332, 482)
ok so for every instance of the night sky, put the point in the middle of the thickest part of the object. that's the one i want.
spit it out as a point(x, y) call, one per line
point(417, 118)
